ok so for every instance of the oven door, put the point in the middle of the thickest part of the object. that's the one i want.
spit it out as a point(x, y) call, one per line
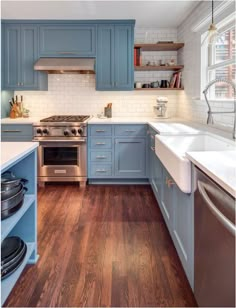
point(62, 159)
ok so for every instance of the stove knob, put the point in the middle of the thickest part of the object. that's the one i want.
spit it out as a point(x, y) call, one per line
point(45, 131)
point(80, 131)
point(66, 133)
point(39, 131)
point(73, 131)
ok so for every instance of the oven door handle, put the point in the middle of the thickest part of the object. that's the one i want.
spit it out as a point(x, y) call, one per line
point(60, 141)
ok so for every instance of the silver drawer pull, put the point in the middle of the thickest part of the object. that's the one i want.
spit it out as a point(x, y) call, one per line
point(130, 131)
point(101, 170)
point(12, 131)
point(101, 157)
point(152, 148)
point(100, 130)
point(100, 143)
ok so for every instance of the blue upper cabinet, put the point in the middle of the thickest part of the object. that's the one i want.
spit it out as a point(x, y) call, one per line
point(114, 69)
point(67, 41)
point(20, 52)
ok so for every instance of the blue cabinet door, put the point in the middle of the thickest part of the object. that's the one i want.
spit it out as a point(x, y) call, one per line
point(157, 177)
point(114, 68)
point(11, 54)
point(19, 55)
point(29, 54)
point(105, 58)
point(167, 199)
point(183, 236)
point(124, 67)
point(130, 157)
point(67, 41)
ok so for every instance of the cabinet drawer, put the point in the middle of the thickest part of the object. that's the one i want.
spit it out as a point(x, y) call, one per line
point(101, 130)
point(10, 130)
point(130, 130)
point(101, 170)
point(100, 143)
point(99, 156)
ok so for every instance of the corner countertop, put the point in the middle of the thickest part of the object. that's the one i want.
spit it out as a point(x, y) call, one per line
point(218, 165)
point(12, 152)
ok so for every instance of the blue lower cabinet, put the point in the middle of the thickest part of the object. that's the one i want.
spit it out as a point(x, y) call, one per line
point(130, 157)
point(122, 158)
point(183, 234)
point(177, 210)
point(16, 132)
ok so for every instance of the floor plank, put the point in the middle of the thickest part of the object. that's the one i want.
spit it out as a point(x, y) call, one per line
point(102, 246)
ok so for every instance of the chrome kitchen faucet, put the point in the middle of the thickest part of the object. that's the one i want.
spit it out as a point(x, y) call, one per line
point(210, 112)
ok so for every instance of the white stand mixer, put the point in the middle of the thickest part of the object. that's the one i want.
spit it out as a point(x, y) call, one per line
point(160, 109)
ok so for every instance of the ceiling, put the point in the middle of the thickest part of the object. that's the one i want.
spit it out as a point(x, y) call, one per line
point(159, 14)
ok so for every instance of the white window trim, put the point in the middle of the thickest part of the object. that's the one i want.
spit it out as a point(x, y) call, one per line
point(223, 25)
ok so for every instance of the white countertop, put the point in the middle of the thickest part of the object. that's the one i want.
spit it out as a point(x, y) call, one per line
point(20, 120)
point(123, 120)
point(219, 165)
point(12, 151)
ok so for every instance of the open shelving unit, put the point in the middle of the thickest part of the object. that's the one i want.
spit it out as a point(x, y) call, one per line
point(23, 223)
point(159, 47)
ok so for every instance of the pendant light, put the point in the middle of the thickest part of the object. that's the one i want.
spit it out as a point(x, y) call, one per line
point(212, 33)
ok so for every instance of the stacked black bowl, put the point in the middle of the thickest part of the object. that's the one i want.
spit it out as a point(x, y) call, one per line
point(13, 251)
point(12, 194)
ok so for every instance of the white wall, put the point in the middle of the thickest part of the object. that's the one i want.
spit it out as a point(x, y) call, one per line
point(75, 94)
point(189, 107)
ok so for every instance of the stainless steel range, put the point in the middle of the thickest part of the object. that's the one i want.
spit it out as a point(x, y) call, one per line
point(62, 152)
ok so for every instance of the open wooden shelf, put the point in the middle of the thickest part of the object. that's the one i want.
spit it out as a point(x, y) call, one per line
point(160, 46)
point(159, 68)
point(159, 89)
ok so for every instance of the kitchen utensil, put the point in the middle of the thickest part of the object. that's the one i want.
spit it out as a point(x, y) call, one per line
point(138, 85)
point(13, 200)
point(16, 259)
point(164, 84)
point(146, 85)
point(5, 194)
point(9, 183)
point(9, 212)
point(10, 247)
point(154, 84)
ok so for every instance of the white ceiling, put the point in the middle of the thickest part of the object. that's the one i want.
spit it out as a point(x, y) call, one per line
point(159, 14)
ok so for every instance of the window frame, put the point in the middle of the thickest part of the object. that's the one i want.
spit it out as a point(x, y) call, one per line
point(207, 56)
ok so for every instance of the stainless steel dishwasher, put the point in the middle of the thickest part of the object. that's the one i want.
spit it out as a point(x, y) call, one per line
point(214, 244)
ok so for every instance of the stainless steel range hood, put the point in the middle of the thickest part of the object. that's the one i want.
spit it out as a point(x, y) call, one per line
point(65, 65)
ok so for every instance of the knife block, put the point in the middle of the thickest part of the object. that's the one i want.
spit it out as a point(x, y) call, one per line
point(108, 112)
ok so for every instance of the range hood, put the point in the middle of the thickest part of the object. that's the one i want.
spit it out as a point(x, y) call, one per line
point(65, 65)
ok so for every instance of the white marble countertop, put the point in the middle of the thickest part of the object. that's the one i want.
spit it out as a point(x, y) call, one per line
point(13, 151)
point(218, 165)
point(123, 120)
point(19, 120)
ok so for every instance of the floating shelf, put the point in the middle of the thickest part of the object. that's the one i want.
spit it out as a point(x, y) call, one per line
point(159, 68)
point(9, 223)
point(160, 46)
point(8, 283)
point(159, 89)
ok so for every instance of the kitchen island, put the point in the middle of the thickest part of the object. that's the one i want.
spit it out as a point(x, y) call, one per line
point(20, 158)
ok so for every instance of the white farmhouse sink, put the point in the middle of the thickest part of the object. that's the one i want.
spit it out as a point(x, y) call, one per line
point(171, 151)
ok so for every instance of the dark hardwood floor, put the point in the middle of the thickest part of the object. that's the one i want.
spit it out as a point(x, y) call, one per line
point(102, 246)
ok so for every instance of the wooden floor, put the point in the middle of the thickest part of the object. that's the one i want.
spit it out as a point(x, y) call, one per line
point(102, 246)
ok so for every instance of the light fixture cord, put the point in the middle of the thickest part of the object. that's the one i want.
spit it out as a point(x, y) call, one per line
point(212, 10)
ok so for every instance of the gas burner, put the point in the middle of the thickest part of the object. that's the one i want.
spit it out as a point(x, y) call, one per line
point(66, 118)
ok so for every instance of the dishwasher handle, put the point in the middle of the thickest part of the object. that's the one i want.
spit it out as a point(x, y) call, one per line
point(221, 218)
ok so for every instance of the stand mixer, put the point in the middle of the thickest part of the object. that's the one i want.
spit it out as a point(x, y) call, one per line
point(160, 109)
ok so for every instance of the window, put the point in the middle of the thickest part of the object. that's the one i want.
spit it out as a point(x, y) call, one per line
point(221, 63)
